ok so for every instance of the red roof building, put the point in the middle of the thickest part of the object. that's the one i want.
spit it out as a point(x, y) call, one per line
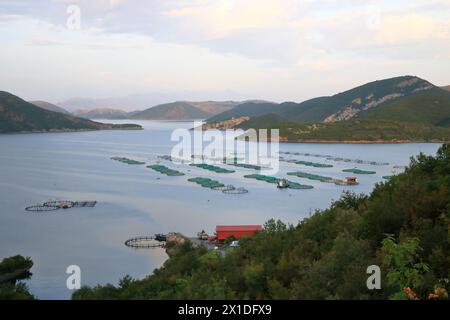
point(224, 232)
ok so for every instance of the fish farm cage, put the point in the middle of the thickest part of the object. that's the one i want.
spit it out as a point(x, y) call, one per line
point(337, 159)
point(235, 191)
point(172, 159)
point(60, 204)
point(40, 208)
point(309, 176)
point(206, 182)
point(127, 161)
point(144, 243)
point(230, 189)
point(269, 179)
point(358, 171)
point(211, 168)
point(248, 166)
point(314, 164)
point(165, 170)
point(223, 188)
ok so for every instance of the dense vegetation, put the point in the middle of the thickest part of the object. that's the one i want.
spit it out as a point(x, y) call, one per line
point(18, 115)
point(403, 227)
point(357, 130)
point(13, 269)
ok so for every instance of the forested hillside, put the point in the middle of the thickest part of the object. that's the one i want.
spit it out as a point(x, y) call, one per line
point(402, 226)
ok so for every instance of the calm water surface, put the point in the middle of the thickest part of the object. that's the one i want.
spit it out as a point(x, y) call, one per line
point(134, 200)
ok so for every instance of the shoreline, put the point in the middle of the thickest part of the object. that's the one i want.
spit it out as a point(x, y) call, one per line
point(393, 141)
point(70, 130)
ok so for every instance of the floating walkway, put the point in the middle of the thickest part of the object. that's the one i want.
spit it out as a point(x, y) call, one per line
point(165, 170)
point(206, 182)
point(211, 168)
point(358, 171)
point(127, 161)
point(60, 204)
point(269, 179)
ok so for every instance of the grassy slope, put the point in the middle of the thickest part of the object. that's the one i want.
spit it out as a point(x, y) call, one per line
point(429, 107)
point(18, 115)
point(324, 256)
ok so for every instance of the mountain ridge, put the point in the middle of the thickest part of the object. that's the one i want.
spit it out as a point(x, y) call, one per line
point(18, 115)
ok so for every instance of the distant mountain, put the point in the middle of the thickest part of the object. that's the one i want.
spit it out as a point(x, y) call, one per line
point(101, 113)
point(172, 111)
point(18, 115)
point(214, 107)
point(447, 88)
point(49, 106)
point(143, 101)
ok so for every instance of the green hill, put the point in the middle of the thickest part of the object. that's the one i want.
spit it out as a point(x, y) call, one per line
point(17, 115)
point(172, 111)
point(49, 106)
point(339, 107)
point(429, 107)
point(345, 105)
point(402, 227)
point(248, 109)
point(398, 109)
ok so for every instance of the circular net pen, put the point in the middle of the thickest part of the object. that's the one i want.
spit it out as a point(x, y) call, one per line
point(40, 208)
point(143, 243)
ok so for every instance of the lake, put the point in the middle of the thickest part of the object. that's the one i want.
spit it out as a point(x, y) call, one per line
point(134, 200)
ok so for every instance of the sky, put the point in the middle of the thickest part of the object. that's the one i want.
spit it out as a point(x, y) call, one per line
point(285, 50)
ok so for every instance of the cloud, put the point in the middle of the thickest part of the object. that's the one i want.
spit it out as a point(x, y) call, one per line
point(291, 46)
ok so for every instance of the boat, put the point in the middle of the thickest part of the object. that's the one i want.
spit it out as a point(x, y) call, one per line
point(282, 184)
point(347, 181)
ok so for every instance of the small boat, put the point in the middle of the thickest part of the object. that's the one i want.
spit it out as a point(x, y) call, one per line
point(348, 181)
point(282, 184)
